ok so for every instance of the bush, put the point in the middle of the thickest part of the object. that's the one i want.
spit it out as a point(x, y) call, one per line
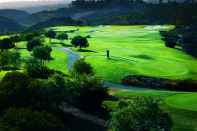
point(82, 68)
point(141, 114)
point(23, 119)
point(160, 83)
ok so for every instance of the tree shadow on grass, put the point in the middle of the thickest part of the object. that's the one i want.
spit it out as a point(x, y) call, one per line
point(63, 44)
point(86, 50)
point(142, 56)
point(66, 45)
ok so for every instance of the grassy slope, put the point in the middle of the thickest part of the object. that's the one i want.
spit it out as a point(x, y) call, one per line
point(58, 62)
point(183, 112)
point(134, 50)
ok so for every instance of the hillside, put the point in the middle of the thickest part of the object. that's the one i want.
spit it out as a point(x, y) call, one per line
point(9, 25)
point(16, 15)
point(56, 21)
point(42, 16)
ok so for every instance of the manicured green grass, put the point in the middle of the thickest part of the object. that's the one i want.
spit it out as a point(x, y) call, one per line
point(133, 50)
point(59, 61)
point(181, 105)
point(183, 101)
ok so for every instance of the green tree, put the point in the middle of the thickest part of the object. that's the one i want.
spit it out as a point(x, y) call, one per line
point(141, 114)
point(62, 37)
point(6, 44)
point(13, 90)
point(35, 69)
point(16, 38)
point(50, 34)
point(80, 42)
point(88, 93)
point(30, 36)
point(82, 68)
point(42, 53)
point(9, 59)
point(31, 44)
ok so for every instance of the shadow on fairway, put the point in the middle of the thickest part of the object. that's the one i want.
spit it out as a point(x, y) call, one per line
point(85, 50)
point(142, 56)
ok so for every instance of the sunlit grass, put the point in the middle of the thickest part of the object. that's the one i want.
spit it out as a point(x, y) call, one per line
point(133, 50)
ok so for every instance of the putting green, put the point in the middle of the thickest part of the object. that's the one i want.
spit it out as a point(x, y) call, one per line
point(133, 50)
point(183, 101)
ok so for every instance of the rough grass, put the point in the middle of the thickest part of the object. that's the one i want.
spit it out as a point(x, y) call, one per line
point(133, 50)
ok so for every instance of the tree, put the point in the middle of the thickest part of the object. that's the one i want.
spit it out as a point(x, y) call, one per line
point(80, 41)
point(16, 38)
point(30, 36)
point(42, 53)
point(62, 37)
point(88, 93)
point(35, 69)
point(9, 59)
point(6, 44)
point(83, 68)
point(31, 44)
point(50, 34)
point(24, 119)
point(13, 90)
point(141, 114)
point(170, 38)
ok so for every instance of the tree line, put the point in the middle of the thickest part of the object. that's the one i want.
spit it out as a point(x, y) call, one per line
point(107, 3)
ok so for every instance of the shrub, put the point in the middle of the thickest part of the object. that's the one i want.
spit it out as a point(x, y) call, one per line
point(160, 83)
point(141, 114)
